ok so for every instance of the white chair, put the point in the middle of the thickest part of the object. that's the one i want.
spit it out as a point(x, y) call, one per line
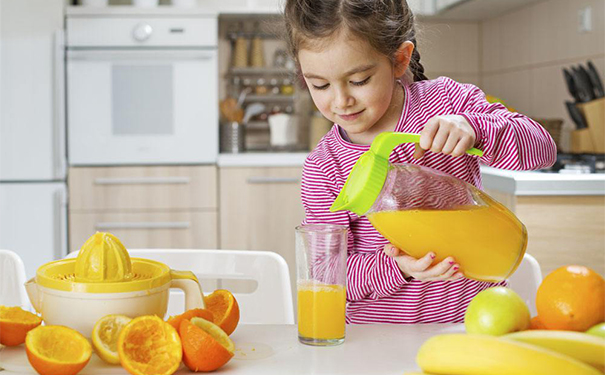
point(12, 280)
point(269, 303)
point(526, 280)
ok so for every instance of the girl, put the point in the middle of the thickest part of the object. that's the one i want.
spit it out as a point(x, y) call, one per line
point(360, 62)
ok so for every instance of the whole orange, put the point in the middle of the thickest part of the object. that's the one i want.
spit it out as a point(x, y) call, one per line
point(206, 347)
point(571, 298)
point(224, 308)
point(15, 323)
point(175, 321)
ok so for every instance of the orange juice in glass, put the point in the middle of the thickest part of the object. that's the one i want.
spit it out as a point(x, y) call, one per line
point(321, 267)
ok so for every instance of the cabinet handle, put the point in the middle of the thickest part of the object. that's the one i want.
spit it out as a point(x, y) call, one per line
point(144, 225)
point(273, 180)
point(141, 180)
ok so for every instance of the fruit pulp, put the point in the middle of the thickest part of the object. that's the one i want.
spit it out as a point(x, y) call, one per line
point(487, 241)
point(321, 311)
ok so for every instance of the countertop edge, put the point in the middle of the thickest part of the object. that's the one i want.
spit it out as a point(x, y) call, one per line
point(542, 184)
point(262, 160)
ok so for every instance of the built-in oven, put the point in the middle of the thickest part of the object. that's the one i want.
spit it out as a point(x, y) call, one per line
point(142, 90)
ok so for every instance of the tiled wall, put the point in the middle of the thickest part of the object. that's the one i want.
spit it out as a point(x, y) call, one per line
point(450, 48)
point(523, 52)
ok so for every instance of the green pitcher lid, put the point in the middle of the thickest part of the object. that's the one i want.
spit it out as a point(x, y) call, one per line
point(370, 172)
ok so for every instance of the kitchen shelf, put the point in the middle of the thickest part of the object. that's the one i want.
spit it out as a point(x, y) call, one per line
point(257, 125)
point(269, 98)
point(237, 72)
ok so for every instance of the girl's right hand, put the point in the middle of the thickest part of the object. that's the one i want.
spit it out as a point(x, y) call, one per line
point(420, 269)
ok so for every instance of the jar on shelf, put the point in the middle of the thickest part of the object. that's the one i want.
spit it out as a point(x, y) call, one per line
point(257, 51)
point(246, 84)
point(261, 87)
point(240, 52)
point(274, 84)
point(287, 88)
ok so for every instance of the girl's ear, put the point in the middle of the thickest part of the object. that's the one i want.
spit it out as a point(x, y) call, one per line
point(403, 57)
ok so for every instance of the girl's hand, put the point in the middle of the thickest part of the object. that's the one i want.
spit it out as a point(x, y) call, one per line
point(450, 135)
point(420, 269)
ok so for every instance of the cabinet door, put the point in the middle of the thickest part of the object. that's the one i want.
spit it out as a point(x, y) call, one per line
point(159, 230)
point(259, 209)
point(142, 188)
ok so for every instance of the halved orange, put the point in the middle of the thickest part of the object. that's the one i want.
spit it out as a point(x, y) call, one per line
point(149, 346)
point(206, 347)
point(57, 350)
point(224, 308)
point(175, 321)
point(15, 323)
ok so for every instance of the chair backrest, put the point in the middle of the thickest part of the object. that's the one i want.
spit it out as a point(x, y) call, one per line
point(526, 280)
point(12, 280)
point(270, 301)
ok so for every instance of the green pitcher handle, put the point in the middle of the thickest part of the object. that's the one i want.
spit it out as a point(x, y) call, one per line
point(385, 142)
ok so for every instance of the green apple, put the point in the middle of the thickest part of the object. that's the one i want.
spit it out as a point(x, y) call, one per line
point(597, 330)
point(496, 311)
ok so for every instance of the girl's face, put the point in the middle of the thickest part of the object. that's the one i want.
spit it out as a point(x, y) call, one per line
point(353, 85)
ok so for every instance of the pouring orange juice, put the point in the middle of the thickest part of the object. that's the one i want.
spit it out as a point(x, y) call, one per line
point(321, 252)
point(419, 210)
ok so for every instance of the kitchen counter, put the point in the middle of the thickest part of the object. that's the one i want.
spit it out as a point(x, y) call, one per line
point(253, 159)
point(563, 214)
point(525, 183)
point(274, 349)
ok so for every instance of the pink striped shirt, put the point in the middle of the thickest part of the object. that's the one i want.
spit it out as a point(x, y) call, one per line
point(377, 292)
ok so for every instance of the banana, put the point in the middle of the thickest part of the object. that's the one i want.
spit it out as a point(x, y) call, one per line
point(581, 346)
point(467, 354)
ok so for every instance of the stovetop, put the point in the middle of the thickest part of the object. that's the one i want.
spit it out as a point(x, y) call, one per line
point(577, 164)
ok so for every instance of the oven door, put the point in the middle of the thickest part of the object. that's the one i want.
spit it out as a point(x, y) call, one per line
point(142, 106)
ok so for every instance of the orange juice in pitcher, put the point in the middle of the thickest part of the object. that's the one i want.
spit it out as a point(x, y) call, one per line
point(420, 210)
point(485, 240)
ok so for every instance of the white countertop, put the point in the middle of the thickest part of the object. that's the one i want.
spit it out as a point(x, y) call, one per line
point(253, 159)
point(275, 350)
point(538, 183)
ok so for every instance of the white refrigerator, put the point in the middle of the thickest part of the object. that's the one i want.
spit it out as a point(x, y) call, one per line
point(33, 194)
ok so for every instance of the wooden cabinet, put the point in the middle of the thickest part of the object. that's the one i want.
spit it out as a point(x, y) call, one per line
point(146, 207)
point(259, 209)
point(562, 230)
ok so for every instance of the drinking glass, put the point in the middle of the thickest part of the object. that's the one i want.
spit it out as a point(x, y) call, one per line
point(321, 262)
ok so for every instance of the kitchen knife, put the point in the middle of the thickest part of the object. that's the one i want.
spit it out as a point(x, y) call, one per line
point(583, 84)
point(597, 84)
point(576, 115)
point(571, 85)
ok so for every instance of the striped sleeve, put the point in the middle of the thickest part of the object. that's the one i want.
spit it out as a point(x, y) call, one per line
point(509, 140)
point(369, 274)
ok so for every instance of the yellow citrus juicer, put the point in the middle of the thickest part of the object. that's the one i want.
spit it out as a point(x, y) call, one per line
point(104, 280)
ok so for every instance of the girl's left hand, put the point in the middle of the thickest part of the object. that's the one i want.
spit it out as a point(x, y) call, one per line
point(449, 134)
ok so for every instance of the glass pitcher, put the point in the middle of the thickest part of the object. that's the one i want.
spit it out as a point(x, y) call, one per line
point(419, 209)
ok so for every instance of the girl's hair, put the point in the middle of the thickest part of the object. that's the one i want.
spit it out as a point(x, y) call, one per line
point(385, 24)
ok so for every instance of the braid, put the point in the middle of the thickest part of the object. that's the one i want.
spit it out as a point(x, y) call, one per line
point(415, 66)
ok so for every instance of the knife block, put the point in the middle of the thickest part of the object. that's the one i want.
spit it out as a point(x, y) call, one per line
point(590, 140)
